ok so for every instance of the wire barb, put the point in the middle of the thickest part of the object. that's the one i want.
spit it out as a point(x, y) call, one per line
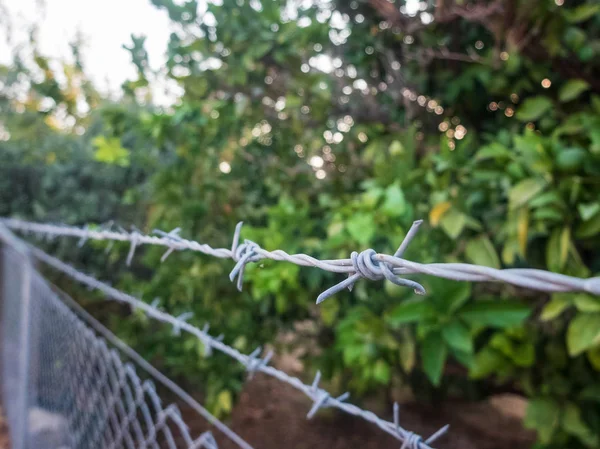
point(183, 318)
point(254, 363)
point(442, 431)
point(321, 397)
point(174, 234)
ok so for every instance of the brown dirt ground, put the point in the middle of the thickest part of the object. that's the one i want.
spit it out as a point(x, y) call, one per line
point(272, 415)
point(3, 432)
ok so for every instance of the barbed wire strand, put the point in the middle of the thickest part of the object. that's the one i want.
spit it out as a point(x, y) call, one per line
point(366, 264)
point(253, 363)
point(151, 370)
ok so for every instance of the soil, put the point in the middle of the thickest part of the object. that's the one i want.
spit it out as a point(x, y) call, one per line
point(272, 415)
point(4, 443)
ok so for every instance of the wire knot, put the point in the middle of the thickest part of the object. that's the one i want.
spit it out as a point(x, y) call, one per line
point(367, 265)
point(242, 254)
point(412, 441)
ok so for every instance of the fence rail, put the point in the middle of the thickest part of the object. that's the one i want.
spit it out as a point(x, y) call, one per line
point(64, 387)
point(367, 264)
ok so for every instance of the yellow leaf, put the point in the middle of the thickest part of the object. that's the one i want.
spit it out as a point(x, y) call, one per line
point(522, 230)
point(438, 212)
point(110, 151)
point(224, 401)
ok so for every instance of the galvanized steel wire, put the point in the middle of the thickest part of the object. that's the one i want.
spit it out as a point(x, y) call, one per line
point(366, 264)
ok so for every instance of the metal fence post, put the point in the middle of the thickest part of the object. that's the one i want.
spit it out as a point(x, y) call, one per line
point(16, 315)
point(22, 402)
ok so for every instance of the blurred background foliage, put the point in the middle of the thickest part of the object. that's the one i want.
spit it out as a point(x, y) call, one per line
point(328, 127)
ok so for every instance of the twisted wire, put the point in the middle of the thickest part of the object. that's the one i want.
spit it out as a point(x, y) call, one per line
point(367, 264)
point(320, 397)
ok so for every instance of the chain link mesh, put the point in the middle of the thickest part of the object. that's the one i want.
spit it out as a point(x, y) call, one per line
point(63, 386)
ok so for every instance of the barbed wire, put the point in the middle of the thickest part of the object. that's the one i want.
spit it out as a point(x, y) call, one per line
point(253, 362)
point(367, 264)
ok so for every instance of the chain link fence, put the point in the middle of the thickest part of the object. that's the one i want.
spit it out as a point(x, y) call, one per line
point(63, 386)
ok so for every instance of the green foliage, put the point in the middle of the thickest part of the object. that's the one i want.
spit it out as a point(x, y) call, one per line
point(299, 122)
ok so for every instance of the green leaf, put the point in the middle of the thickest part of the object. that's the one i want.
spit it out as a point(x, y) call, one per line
point(590, 393)
point(447, 296)
point(395, 203)
point(521, 193)
point(572, 89)
point(410, 311)
point(464, 358)
point(557, 305)
point(523, 230)
point(521, 354)
point(573, 423)
point(381, 371)
point(493, 151)
point(533, 108)
point(545, 199)
point(396, 148)
point(548, 214)
point(593, 356)
point(453, 222)
point(589, 228)
point(557, 249)
point(587, 211)
point(260, 49)
point(481, 251)
point(570, 159)
point(542, 415)
point(583, 333)
point(487, 362)
point(433, 354)
point(407, 349)
point(501, 313)
point(582, 12)
point(458, 336)
point(361, 227)
point(587, 303)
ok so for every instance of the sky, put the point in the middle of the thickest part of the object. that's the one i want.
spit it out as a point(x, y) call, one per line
point(105, 25)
